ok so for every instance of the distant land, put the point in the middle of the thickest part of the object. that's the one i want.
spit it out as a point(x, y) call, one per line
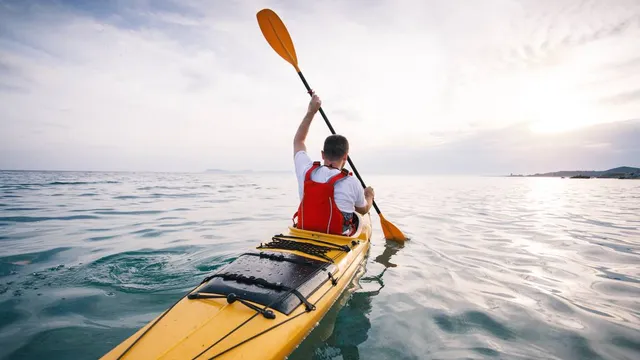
point(622, 172)
point(220, 171)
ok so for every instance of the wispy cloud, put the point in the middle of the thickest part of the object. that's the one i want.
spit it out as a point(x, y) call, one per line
point(623, 98)
point(12, 88)
point(12, 79)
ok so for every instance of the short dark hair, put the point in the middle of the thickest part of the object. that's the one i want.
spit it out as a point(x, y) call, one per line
point(335, 147)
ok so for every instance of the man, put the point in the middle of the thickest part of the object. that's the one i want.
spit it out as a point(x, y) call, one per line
point(329, 195)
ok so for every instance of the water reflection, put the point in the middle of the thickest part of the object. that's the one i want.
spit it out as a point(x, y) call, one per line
point(347, 325)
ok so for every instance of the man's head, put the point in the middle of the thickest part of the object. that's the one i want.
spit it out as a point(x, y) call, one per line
point(335, 151)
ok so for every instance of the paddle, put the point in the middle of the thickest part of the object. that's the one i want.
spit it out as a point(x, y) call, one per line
point(278, 37)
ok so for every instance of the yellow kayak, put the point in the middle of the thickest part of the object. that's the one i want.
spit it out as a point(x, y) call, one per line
point(260, 306)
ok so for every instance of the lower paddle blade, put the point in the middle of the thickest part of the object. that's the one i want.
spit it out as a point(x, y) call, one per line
point(390, 231)
point(277, 35)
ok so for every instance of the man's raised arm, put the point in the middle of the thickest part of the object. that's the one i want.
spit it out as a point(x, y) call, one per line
point(303, 129)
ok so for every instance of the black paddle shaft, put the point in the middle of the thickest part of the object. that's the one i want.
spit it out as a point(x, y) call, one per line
point(326, 120)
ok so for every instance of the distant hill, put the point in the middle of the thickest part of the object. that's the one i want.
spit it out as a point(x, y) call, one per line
point(624, 169)
point(622, 172)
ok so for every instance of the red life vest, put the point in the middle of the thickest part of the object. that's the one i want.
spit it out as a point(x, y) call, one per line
point(318, 210)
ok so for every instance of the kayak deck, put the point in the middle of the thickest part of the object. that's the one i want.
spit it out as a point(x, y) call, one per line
point(261, 305)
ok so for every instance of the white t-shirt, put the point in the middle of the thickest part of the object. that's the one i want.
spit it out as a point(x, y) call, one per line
point(348, 192)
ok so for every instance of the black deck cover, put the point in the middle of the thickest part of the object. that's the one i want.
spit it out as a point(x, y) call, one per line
point(299, 272)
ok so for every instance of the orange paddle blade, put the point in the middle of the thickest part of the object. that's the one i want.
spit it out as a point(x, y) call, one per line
point(277, 36)
point(391, 232)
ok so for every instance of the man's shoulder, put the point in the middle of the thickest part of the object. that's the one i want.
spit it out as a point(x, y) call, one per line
point(302, 161)
point(301, 154)
point(353, 182)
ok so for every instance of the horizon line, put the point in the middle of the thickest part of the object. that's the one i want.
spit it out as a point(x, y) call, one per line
point(232, 172)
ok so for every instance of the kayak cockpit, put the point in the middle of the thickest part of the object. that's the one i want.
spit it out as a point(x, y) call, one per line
point(363, 231)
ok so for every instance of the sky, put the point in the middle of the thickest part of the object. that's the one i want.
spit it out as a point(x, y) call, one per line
point(420, 87)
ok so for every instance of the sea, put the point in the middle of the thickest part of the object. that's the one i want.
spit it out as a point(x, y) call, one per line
point(494, 268)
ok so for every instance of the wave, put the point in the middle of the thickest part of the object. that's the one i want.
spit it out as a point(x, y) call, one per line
point(82, 182)
point(27, 219)
point(137, 212)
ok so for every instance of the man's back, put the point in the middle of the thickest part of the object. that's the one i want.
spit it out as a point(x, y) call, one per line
point(348, 192)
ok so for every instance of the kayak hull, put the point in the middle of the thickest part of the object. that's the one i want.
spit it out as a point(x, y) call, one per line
point(197, 327)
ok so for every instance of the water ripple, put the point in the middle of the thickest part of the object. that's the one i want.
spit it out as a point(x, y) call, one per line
point(22, 219)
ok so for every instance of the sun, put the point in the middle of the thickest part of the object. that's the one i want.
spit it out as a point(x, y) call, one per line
point(553, 110)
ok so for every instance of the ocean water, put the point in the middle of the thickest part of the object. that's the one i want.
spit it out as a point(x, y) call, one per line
point(496, 268)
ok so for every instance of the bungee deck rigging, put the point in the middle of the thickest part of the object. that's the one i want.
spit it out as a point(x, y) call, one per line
point(282, 243)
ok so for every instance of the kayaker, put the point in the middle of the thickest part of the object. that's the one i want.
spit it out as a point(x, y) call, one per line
point(330, 195)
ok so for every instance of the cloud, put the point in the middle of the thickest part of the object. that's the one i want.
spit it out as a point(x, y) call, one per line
point(12, 88)
point(12, 79)
point(625, 97)
point(190, 85)
point(628, 65)
point(516, 150)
